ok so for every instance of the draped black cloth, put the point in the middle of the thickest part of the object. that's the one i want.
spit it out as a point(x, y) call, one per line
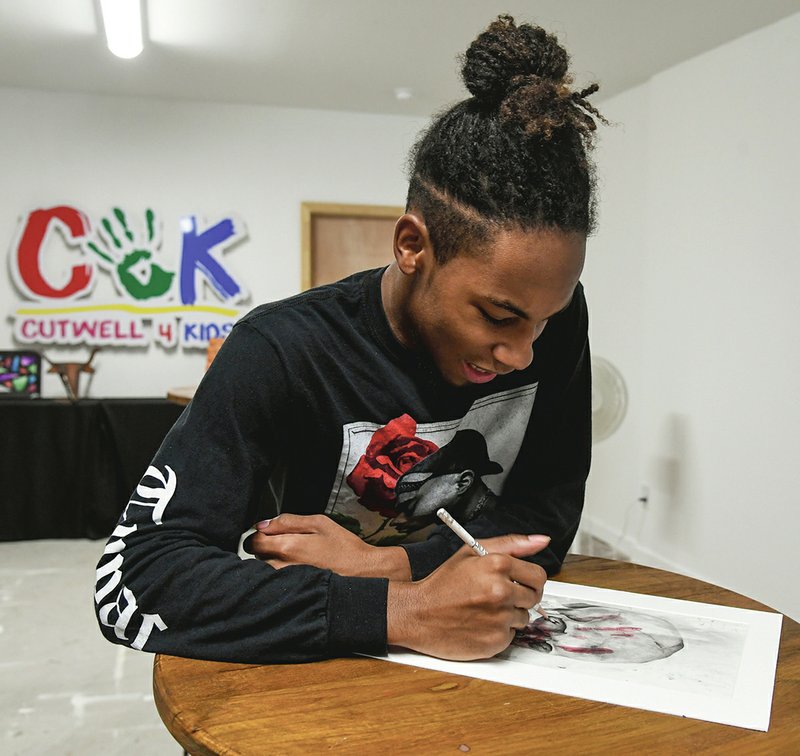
point(67, 469)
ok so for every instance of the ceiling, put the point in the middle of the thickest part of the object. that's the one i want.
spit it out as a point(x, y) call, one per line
point(349, 54)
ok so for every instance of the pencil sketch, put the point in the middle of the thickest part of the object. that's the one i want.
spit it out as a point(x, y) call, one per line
point(675, 656)
point(671, 651)
point(604, 634)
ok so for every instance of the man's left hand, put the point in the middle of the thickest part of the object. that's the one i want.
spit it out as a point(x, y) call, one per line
point(319, 541)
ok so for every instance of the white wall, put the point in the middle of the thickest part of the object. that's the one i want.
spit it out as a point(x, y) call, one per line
point(692, 281)
point(99, 152)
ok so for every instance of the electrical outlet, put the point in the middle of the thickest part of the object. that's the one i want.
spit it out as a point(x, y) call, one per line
point(644, 495)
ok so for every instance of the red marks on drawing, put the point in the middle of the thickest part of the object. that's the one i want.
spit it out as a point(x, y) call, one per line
point(614, 631)
point(625, 632)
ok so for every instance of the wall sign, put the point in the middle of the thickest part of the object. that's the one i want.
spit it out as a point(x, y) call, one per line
point(59, 255)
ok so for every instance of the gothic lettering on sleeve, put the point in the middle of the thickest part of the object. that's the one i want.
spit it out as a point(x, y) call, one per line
point(156, 497)
point(118, 608)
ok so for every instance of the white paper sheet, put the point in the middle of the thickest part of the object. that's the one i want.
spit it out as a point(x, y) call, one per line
point(687, 658)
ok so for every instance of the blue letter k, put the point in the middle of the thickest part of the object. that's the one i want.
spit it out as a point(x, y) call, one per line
point(196, 255)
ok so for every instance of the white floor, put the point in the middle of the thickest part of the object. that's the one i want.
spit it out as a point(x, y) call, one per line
point(64, 689)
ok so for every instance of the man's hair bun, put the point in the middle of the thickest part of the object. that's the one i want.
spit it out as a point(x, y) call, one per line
point(512, 155)
point(505, 54)
point(522, 72)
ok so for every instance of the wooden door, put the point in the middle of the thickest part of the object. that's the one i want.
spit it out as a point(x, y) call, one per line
point(338, 240)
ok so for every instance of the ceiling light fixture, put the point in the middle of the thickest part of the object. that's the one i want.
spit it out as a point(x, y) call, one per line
point(403, 93)
point(123, 22)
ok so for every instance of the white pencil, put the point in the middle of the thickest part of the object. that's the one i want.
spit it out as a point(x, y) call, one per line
point(477, 547)
point(460, 531)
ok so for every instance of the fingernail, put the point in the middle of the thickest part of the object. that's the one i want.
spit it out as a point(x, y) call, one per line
point(543, 539)
point(263, 525)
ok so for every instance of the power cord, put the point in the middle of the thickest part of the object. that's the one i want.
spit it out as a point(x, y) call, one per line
point(643, 498)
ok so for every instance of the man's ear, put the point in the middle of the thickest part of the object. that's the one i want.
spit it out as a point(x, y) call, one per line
point(412, 243)
point(465, 481)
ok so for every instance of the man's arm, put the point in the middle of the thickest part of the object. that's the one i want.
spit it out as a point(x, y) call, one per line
point(469, 608)
point(170, 579)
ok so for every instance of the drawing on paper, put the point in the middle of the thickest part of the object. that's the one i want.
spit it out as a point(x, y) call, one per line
point(668, 651)
point(651, 652)
point(606, 634)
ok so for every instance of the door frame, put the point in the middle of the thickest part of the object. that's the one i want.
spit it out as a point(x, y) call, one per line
point(309, 210)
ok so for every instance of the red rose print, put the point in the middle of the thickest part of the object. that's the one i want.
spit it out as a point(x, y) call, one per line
point(392, 451)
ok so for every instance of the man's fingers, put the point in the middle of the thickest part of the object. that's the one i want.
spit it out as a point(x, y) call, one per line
point(526, 596)
point(247, 544)
point(266, 546)
point(516, 545)
point(260, 545)
point(531, 576)
point(521, 619)
point(291, 523)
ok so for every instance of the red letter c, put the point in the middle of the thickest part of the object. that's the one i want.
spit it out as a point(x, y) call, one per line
point(76, 224)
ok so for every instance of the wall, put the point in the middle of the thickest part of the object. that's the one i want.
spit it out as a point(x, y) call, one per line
point(691, 277)
point(692, 282)
point(179, 158)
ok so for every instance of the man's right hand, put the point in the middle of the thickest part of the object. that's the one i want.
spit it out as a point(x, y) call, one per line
point(470, 606)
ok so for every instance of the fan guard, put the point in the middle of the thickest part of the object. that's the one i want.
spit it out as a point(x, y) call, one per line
point(609, 399)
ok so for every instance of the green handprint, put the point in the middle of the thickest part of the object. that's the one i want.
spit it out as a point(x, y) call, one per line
point(131, 259)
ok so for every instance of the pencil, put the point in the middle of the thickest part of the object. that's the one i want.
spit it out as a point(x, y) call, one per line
point(460, 531)
point(477, 547)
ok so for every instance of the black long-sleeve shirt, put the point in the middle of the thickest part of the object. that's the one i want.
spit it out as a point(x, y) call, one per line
point(313, 406)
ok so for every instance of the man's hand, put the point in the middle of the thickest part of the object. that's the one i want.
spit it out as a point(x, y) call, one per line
point(319, 541)
point(469, 607)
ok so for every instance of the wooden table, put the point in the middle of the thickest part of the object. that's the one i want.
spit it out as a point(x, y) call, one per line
point(181, 395)
point(370, 706)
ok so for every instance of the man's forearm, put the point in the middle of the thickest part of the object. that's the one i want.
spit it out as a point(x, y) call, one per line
point(389, 562)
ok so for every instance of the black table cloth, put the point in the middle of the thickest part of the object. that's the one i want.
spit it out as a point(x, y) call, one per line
point(67, 469)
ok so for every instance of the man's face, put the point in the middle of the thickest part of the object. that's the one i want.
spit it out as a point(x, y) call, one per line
point(434, 491)
point(479, 315)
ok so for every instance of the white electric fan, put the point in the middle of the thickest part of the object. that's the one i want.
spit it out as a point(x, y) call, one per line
point(609, 399)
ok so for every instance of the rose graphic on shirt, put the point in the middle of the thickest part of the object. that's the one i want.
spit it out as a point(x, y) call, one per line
point(392, 451)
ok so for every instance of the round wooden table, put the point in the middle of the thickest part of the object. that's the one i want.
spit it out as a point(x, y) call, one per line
point(181, 394)
point(368, 706)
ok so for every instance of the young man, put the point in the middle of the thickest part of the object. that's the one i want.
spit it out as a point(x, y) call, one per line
point(317, 405)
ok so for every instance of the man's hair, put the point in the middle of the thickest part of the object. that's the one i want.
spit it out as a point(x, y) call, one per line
point(514, 155)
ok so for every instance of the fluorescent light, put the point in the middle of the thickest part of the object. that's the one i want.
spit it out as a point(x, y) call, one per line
point(123, 22)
